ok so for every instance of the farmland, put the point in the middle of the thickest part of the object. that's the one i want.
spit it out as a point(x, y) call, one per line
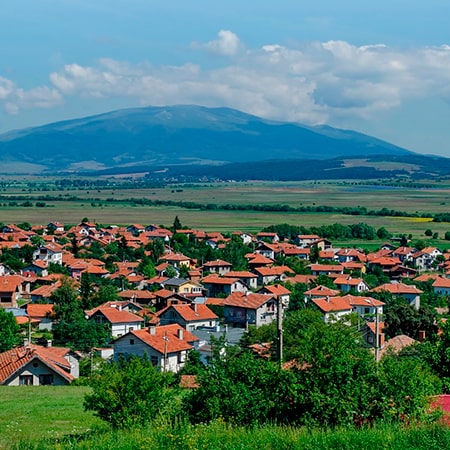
point(117, 201)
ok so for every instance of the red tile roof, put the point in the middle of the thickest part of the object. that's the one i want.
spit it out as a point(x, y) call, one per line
point(13, 360)
point(247, 300)
point(166, 338)
point(332, 304)
point(192, 312)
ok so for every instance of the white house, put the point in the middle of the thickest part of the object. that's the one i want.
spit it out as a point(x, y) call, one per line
point(120, 321)
point(165, 346)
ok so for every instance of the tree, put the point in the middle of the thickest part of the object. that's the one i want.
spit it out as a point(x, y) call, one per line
point(67, 306)
point(9, 331)
point(127, 393)
point(176, 224)
point(428, 232)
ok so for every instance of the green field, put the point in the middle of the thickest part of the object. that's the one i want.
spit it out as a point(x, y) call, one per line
point(53, 418)
point(30, 413)
point(92, 203)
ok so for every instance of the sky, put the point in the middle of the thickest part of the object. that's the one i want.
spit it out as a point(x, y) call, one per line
point(381, 68)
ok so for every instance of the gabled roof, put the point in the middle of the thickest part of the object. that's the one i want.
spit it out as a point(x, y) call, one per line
point(321, 291)
point(46, 290)
point(114, 315)
point(356, 300)
point(165, 338)
point(38, 310)
point(337, 268)
point(276, 289)
point(332, 304)
point(273, 271)
point(192, 312)
point(239, 274)
point(14, 360)
point(217, 263)
point(247, 300)
point(442, 283)
point(397, 288)
point(215, 279)
point(397, 343)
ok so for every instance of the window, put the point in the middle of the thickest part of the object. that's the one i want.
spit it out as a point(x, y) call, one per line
point(26, 380)
point(366, 310)
point(46, 379)
point(131, 341)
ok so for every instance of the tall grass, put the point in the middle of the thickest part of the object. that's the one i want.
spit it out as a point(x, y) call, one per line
point(220, 436)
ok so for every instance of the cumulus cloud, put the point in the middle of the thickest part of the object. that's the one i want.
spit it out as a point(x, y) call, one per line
point(226, 44)
point(316, 82)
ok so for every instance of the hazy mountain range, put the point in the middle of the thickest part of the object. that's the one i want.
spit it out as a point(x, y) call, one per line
point(189, 139)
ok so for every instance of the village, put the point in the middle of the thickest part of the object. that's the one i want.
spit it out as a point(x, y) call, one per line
point(162, 292)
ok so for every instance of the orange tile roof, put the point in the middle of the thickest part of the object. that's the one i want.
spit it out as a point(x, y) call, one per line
point(215, 279)
point(273, 271)
point(442, 282)
point(192, 313)
point(355, 300)
point(38, 310)
point(320, 291)
point(165, 338)
point(114, 315)
point(332, 304)
point(277, 289)
point(46, 290)
point(247, 300)
point(13, 360)
point(217, 263)
point(397, 288)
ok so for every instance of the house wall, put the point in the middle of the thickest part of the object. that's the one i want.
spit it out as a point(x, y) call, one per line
point(336, 315)
point(36, 368)
point(124, 347)
point(242, 316)
point(119, 329)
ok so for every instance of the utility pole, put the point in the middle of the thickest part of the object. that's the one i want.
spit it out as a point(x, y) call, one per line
point(280, 330)
point(377, 340)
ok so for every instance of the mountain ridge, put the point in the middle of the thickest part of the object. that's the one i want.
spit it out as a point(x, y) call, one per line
point(179, 135)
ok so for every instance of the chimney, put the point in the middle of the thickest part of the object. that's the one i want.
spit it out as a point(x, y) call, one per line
point(152, 330)
point(49, 343)
point(180, 333)
point(421, 335)
point(328, 299)
point(194, 306)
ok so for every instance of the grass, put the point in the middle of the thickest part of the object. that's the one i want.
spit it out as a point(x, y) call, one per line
point(295, 194)
point(53, 418)
point(220, 436)
point(30, 413)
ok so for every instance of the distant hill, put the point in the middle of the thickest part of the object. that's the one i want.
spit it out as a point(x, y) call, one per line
point(177, 135)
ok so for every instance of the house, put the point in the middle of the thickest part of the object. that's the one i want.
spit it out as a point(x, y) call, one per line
point(36, 365)
point(38, 267)
point(44, 292)
point(182, 286)
point(177, 260)
point(281, 294)
point(370, 331)
point(165, 346)
point(10, 289)
point(249, 278)
point(347, 283)
point(425, 259)
point(441, 286)
point(247, 308)
point(216, 285)
point(326, 269)
point(273, 274)
point(333, 308)
point(345, 255)
point(268, 236)
point(165, 297)
point(50, 253)
point(190, 316)
point(306, 240)
point(120, 321)
point(396, 344)
point(41, 313)
point(320, 292)
point(409, 292)
point(364, 306)
point(218, 266)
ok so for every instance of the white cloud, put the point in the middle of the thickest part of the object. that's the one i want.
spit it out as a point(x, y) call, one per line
point(311, 83)
point(227, 44)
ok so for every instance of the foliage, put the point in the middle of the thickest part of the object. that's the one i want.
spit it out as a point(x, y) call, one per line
point(406, 385)
point(236, 388)
point(127, 393)
point(402, 318)
point(9, 331)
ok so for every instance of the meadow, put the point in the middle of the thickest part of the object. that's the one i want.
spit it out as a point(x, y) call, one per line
point(112, 203)
point(39, 417)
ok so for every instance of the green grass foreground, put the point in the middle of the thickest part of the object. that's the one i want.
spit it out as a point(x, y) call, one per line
point(53, 418)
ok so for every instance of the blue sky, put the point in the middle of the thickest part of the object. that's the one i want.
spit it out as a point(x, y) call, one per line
point(382, 68)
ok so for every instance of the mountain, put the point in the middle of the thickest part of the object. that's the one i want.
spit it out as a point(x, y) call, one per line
point(177, 135)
